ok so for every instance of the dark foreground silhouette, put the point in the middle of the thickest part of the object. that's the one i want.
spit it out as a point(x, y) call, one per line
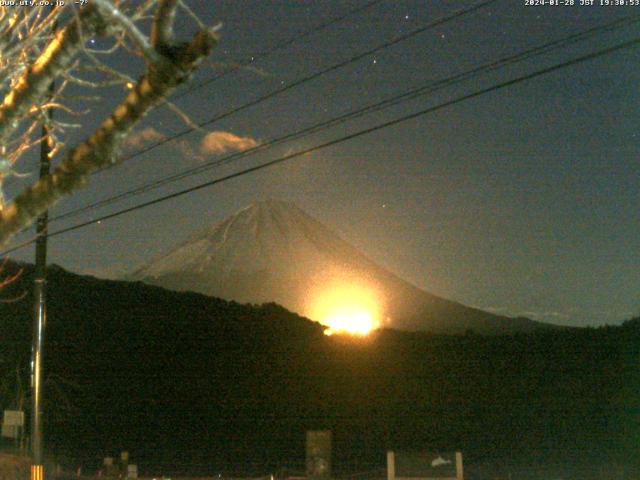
point(192, 384)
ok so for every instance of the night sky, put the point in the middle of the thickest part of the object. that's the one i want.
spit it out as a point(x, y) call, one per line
point(523, 201)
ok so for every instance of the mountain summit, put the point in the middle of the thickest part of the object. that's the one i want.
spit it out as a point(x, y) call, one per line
point(272, 251)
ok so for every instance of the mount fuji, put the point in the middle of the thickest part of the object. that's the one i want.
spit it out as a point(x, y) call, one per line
point(272, 251)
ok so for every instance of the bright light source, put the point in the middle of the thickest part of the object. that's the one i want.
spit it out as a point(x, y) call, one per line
point(346, 308)
point(355, 323)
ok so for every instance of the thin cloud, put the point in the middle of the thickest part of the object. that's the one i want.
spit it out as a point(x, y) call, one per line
point(492, 309)
point(535, 315)
point(213, 143)
point(218, 142)
point(543, 315)
point(143, 137)
point(115, 271)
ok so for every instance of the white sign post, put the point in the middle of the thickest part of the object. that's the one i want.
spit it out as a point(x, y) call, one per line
point(132, 471)
point(12, 423)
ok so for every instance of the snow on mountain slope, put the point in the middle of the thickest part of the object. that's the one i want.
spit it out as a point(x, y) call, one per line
point(272, 251)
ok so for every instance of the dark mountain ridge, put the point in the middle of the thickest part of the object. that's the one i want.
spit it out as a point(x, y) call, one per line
point(192, 384)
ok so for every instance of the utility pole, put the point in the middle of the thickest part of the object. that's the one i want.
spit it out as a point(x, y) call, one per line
point(40, 312)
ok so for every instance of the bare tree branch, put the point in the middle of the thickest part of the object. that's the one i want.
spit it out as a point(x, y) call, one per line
point(101, 148)
point(162, 28)
point(115, 16)
point(33, 85)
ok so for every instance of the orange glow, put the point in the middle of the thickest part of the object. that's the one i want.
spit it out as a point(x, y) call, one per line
point(346, 308)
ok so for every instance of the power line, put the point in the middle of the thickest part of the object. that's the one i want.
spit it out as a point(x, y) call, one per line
point(396, 40)
point(280, 46)
point(366, 131)
point(427, 88)
point(318, 74)
point(259, 56)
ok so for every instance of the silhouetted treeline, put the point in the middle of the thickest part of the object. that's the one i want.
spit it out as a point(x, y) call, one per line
point(191, 384)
